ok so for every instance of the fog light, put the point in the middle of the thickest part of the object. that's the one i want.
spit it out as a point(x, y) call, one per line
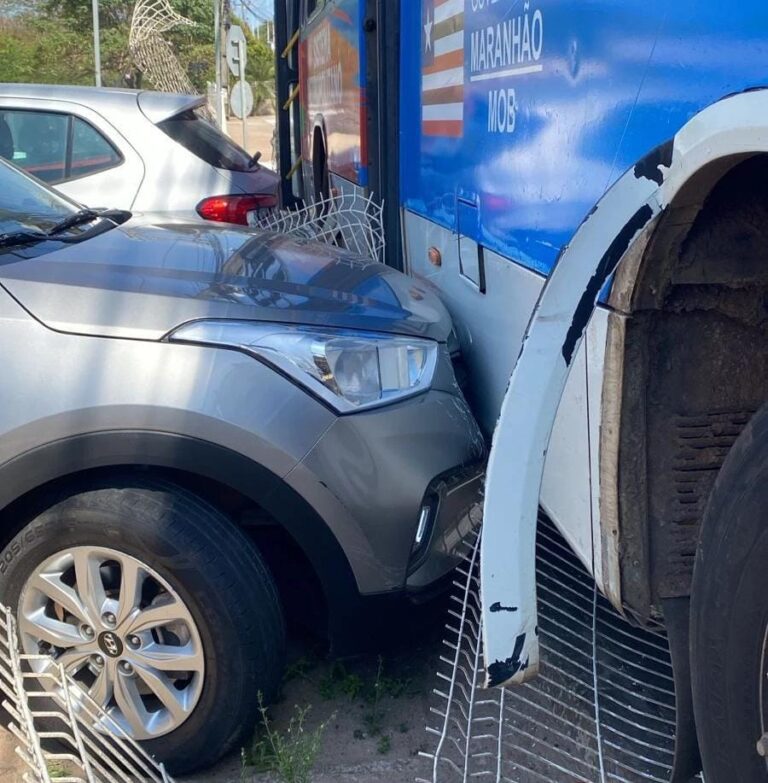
point(421, 530)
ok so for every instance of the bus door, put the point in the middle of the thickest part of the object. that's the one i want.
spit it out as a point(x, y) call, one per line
point(338, 73)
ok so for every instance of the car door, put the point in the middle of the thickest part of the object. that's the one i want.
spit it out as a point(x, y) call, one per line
point(72, 148)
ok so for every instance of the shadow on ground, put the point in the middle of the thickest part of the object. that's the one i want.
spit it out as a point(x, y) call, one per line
point(374, 708)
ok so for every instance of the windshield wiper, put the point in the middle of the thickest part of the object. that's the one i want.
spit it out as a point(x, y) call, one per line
point(75, 219)
point(26, 237)
point(22, 238)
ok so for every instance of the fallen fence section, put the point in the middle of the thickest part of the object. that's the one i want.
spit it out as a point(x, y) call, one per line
point(345, 220)
point(63, 735)
point(602, 710)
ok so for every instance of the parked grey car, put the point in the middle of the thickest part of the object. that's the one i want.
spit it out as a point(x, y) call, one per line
point(203, 431)
point(140, 150)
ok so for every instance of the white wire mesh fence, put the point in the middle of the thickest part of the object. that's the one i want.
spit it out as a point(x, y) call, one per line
point(63, 735)
point(601, 711)
point(153, 53)
point(346, 220)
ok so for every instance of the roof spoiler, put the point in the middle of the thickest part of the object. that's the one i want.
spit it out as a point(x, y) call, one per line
point(159, 106)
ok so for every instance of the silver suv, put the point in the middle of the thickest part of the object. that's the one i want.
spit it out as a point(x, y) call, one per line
point(203, 432)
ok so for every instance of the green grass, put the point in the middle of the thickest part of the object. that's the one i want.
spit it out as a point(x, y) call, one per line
point(340, 682)
point(56, 770)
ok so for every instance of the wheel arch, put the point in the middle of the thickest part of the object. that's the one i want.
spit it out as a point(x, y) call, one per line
point(225, 478)
point(685, 326)
point(615, 230)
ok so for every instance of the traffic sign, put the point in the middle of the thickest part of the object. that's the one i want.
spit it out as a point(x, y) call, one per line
point(237, 56)
point(241, 95)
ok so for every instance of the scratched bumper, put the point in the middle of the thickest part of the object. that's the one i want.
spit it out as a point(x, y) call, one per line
point(369, 474)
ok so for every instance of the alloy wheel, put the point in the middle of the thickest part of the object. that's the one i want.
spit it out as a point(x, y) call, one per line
point(121, 631)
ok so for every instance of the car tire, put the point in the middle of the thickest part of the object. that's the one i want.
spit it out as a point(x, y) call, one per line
point(729, 614)
point(187, 551)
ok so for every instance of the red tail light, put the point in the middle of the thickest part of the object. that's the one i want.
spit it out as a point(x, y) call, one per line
point(233, 209)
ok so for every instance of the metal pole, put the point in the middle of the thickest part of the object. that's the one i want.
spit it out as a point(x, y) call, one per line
point(217, 55)
point(224, 24)
point(96, 42)
point(240, 47)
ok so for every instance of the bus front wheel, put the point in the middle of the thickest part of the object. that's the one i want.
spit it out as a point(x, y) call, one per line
point(729, 615)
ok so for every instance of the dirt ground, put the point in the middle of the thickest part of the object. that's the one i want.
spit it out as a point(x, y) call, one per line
point(374, 710)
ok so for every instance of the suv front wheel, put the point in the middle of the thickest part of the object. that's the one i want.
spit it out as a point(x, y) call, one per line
point(158, 606)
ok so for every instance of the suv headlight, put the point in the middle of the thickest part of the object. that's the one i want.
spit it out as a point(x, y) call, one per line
point(350, 370)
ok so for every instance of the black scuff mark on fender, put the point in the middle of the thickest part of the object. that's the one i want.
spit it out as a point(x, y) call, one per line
point(498, 607)
point(605, 269)
point(649, 166)
point(500, 672)
point(755, 88)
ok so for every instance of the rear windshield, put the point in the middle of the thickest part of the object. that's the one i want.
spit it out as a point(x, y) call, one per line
point(202, 138)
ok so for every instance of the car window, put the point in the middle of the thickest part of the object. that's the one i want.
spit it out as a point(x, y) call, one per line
point(91, 152)
point(39, 142)
point(26, 204)
point(53, 146)
point(202, 138)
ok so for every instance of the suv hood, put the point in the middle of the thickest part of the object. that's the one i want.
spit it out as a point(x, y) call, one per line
point(142, 281)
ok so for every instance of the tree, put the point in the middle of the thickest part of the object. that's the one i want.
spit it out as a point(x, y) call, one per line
point(50, 41)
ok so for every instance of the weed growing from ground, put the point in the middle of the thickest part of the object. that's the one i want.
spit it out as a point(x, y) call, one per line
point(340, 682)
point(374, 718)
point(290, 754)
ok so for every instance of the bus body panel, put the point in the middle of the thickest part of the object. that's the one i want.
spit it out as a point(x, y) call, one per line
point(332, 73)
point(491, 346)
point(528, 112)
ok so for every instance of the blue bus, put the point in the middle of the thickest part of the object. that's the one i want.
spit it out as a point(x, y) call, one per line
point(585, 182)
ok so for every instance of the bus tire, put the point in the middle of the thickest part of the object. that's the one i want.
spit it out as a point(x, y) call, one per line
point(729, 614)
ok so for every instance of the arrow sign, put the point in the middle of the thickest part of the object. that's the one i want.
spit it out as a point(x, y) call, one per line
point(237, 56)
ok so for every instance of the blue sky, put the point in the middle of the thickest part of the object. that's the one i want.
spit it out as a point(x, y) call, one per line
point(262, 8)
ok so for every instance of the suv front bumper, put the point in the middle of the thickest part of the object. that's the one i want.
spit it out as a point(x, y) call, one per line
point(370, 474)
point(454, 502)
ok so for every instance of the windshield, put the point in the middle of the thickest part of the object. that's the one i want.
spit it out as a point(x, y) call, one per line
point(206, 141)
point(28, 205)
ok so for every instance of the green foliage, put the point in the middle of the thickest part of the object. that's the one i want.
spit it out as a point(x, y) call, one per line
point(340, 682)
point(43, 52)
point(51, 41)
point(56, 770)
point(290, 754)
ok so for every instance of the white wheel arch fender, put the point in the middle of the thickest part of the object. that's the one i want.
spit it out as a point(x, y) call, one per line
point(735, 125)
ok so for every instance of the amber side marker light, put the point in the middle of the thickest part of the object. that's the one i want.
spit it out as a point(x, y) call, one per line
point(435, 256)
